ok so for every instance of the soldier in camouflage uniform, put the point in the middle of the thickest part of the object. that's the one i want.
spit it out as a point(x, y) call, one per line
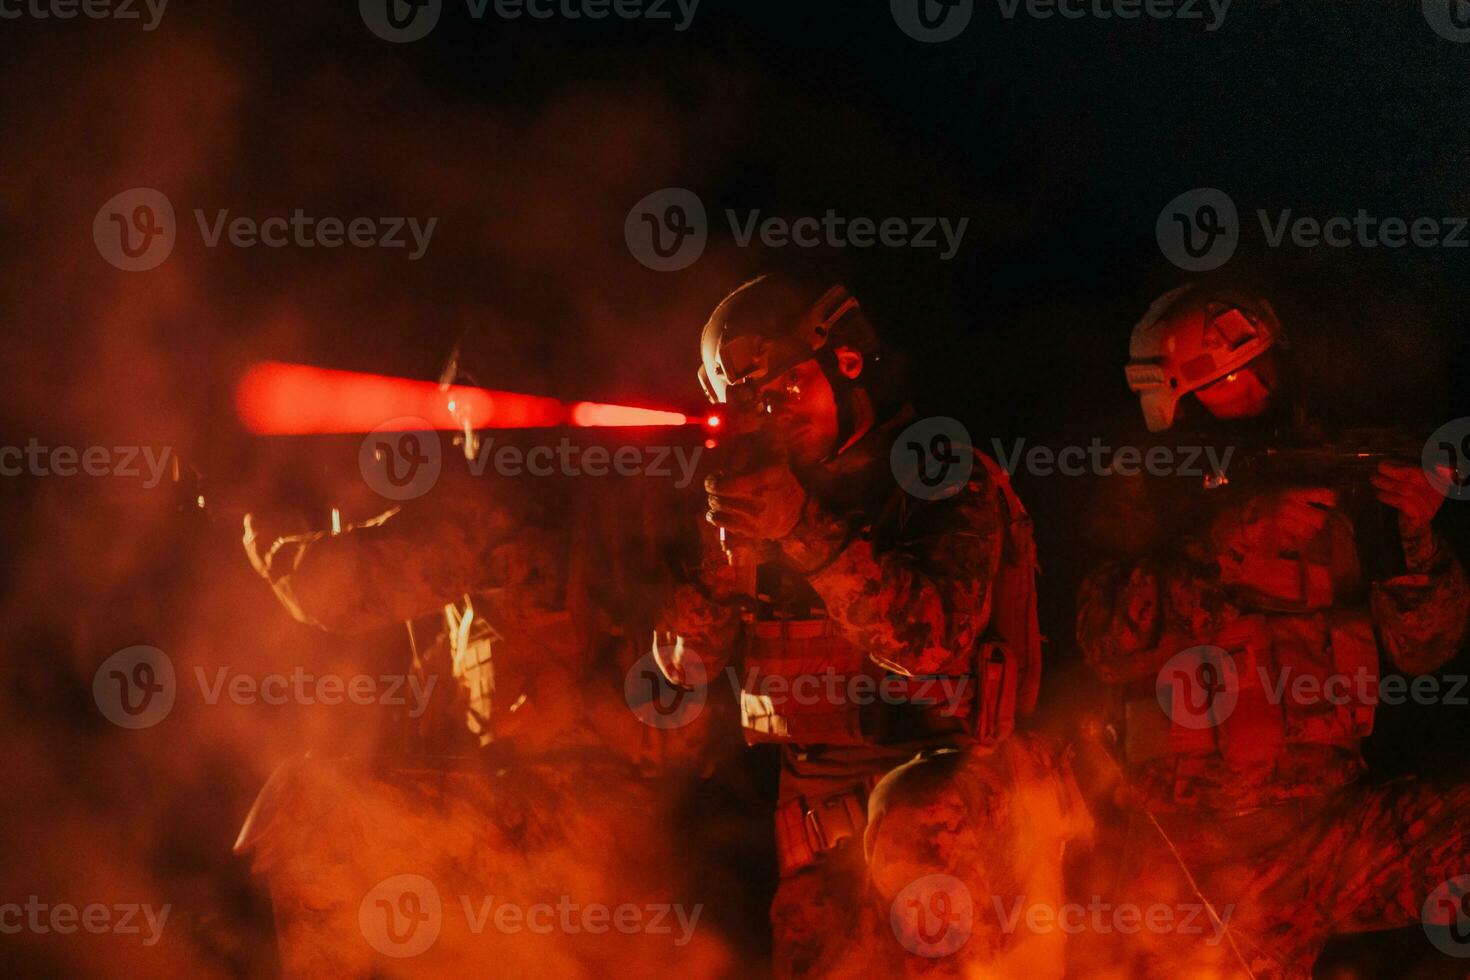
point(533, 767)
point(1242, 639)
point(886, 643)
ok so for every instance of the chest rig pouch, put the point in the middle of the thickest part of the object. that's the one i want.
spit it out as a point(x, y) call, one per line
point(806, 684)
point(1297, 679)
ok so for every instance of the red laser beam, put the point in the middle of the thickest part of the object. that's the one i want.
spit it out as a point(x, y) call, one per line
point(280, 399)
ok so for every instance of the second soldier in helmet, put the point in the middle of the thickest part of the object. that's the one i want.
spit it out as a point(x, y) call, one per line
point(907, 800)
point(1246, 786)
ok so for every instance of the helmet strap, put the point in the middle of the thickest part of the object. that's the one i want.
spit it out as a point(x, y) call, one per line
point(847, 394)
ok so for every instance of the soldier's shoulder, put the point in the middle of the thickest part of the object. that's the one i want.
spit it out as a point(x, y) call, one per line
point(980, 495)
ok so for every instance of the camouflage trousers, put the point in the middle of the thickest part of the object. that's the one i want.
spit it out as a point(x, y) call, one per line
point(1286, 879)
point(911, 894)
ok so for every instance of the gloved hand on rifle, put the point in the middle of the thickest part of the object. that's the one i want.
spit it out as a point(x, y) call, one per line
point(1405, 488)
point(763, 504)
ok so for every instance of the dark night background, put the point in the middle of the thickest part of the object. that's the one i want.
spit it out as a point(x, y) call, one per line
point(1060, 141)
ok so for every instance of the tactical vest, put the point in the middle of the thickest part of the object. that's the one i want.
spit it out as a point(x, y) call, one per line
point(1303, 660)
point(1299, 679)
point(806, 684)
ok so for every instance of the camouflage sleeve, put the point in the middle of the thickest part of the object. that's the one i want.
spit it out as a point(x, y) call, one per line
point(1118, 620)
point(703, 610)
point(920, 606)
point(1421, 617)
point(399, 565)
point(1132, 616)
point(709, 628)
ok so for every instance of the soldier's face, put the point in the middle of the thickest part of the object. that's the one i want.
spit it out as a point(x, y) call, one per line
point(1242, 394)
point(803, 413)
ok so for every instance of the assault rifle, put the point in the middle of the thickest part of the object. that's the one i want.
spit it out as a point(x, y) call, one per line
point(741, 442)
point(1343, 465)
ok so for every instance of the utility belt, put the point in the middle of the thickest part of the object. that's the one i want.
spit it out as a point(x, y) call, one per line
point(804, 684)
point(807, 827)
point(1304, 679)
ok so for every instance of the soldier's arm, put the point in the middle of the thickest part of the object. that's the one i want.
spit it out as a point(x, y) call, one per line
point(402, 564)
point(1119, 617)
point(920, 607)
point(1421, 617)
point(1287, 549)
point(1133, 615)
point(702, 609)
